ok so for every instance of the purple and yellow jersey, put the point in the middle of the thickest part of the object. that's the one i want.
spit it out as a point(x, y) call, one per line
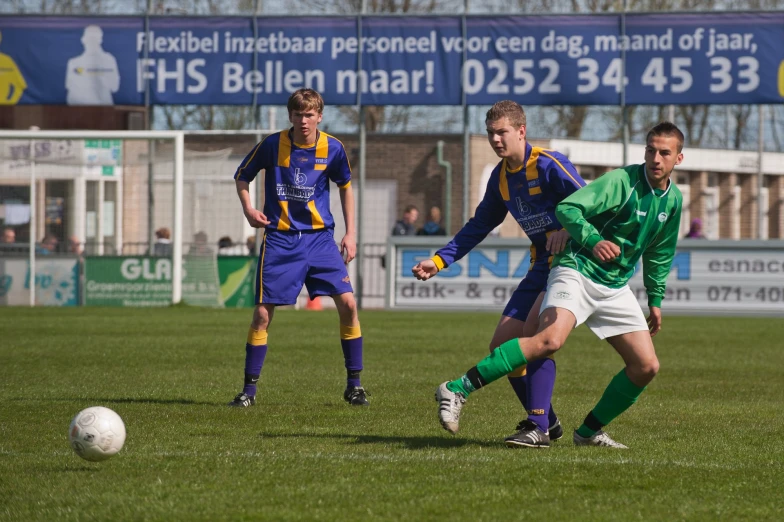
point(296, 185)
point(530, 193)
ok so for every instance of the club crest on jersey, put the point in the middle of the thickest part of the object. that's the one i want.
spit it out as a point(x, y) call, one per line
point(663, 217)
point(300, 178)
point(523, 207)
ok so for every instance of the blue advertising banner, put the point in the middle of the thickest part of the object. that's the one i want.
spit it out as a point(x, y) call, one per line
point(581, 60)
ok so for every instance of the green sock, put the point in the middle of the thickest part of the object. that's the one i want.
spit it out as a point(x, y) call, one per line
point(620, 394)
point(504, 359)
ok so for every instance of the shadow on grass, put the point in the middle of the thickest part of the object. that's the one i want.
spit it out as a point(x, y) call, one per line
point(413, 443)
point(98, 401)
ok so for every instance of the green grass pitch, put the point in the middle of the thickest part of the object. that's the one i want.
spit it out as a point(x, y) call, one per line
point(706, 438)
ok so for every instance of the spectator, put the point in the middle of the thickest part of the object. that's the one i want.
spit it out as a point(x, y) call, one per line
point(48, 245)
point(695, 231)
point(433, 224)
point(163, 244)
point(225, 242)
point(199, 245)
point(9, 235)
point(226, 247)
point(74, 246)
point(405, 227)
point(251, 244)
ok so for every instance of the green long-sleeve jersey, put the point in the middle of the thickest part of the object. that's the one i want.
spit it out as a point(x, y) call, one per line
point(622, 207)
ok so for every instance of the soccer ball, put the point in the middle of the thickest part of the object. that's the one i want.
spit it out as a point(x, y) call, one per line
point(96, 433)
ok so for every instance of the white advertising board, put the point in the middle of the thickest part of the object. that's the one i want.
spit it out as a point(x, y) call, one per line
point(723, 277)
point(56, 282)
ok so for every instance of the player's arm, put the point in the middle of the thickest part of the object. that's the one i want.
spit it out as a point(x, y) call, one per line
point(605, 194)
point(339, 172)
point(656, 264)
point(246, 173)
point(348, 246)
point(489, 214)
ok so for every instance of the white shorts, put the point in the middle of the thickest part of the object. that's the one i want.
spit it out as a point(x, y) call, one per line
point(606, 311)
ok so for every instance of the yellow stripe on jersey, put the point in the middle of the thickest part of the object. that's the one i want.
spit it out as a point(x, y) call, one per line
point(347, 185)
point(562, 167)
point(532, 249)
point(503, 184)
point(439, 261)
point(261, 269)
point(322, 151)
point(284, 149)
point(239, 170)
point(547, 235)
point(344, 148)
point(284, 223)
point(532, 173)
point(315, 217)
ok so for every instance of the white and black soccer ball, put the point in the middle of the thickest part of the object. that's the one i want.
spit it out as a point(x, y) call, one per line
point(96, 433)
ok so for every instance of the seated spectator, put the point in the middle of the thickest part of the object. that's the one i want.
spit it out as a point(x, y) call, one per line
point(251, 244)
point(226, 247)
point(163, 244)
point(199, 245)
point(74, 246)
point(695, 230)
point(405, 226)
point(48, 245)
point(433, 224)
point(9, 235)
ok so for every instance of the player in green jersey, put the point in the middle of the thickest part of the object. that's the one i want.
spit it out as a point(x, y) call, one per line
point(626, 215)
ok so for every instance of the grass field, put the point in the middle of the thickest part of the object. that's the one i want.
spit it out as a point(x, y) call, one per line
point(706, 438)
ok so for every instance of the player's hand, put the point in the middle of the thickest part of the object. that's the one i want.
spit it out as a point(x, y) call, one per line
point(606, 251)
point(557, 241)
point(424, 270)
point(655, 320)
point(256, 218)
point(348, 248)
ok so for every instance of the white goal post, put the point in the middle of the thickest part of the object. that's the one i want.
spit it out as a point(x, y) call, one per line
point(178, 139)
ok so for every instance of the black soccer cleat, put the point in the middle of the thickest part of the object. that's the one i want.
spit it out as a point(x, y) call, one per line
point(243, 400)
point(555, 431)
point(529, 435)
point(356, 396)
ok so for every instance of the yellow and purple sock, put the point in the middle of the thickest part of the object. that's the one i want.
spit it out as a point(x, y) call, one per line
point(540, 381)
point(619, 396)
point(351, 342)
point(255, 352)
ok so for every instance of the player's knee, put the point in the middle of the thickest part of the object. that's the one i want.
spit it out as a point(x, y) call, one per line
point(651, 368)
point(260, 318)
point(549, 343)
point(645, 371)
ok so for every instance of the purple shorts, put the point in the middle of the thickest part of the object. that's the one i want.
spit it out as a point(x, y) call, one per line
point(524, 296)
point(288, 260)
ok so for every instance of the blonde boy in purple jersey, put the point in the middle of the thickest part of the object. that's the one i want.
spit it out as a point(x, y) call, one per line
point(627, 215)
point(298, 246)
point(527, 183)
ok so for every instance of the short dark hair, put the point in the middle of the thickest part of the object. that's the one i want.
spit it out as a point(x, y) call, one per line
point(409, 208)
point(305, 99)
point(666, 128)
point(507, 109)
